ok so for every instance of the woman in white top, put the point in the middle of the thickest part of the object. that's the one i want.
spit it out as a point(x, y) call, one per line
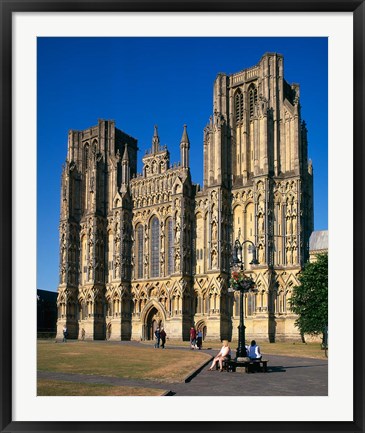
point(224, 353)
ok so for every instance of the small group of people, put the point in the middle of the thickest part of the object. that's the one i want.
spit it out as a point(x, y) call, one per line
point(196, 338)
point(252, 352)
point(160, 337)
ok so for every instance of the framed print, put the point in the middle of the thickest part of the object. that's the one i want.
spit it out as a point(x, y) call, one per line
point(47, 41)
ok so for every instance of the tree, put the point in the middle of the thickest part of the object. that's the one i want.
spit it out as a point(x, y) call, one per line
point(310, 299)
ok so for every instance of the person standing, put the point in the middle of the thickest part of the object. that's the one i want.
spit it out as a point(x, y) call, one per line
point(64, 334)
point(192, 337)
point(199, 339)
point(163, 338)
point(157, 338)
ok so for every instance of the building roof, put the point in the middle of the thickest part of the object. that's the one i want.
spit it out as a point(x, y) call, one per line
point(318, 240)
point(46, 296)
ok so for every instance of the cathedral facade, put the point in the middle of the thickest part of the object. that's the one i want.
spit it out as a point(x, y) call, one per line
point(141, 250)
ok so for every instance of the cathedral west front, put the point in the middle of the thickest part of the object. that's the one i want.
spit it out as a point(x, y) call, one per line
point(141, 250)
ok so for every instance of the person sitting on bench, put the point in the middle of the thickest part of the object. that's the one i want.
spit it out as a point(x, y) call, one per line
point(224, 354)
point(253, 351)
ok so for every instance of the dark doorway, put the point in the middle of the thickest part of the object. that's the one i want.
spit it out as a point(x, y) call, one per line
point(153, 320)
point(204, 332)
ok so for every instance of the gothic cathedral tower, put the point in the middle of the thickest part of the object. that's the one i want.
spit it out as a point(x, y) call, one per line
point(255, 148)
point(138, 251)
point(95, 206)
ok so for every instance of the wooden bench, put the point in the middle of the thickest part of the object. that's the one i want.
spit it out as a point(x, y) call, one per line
point(250, 366)
point(225, 364)
point(258, 365)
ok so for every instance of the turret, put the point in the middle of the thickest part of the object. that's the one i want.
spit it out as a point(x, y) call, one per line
point(157, 160)
point(184, 149)
point(125, 170)
point(155, 141)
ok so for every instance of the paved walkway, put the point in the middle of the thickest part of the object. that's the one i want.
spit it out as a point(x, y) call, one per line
point(286, 376)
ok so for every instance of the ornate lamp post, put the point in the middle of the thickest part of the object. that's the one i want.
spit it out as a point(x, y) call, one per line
point(242, 283)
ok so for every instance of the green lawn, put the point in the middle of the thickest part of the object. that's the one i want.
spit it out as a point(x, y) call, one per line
point(106, 359)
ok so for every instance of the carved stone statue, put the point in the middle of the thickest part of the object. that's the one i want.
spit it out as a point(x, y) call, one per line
point(261, 224)
point(214, 259)
point(177, 261)
point(214, 231)
point(177, 233)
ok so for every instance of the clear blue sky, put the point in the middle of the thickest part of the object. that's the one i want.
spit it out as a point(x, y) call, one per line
point(140, 82)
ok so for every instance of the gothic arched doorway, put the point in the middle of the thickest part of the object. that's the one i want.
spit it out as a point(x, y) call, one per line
point(152, 321)
point(201, 326)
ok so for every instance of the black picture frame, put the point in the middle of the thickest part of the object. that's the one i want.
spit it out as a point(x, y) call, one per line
point(7, 8)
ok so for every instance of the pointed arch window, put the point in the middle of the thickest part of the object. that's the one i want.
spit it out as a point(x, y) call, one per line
point(155, 247)
point(238, 103)
point(252, 96)
point(170, 248)
point(95, 147)
point(86, 156)
point(251, 303)
point(139, 254)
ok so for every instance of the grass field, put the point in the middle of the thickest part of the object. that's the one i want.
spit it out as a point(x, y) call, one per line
point(305, 350)
point(115, 360)
point(105, 359)
point(59, 387)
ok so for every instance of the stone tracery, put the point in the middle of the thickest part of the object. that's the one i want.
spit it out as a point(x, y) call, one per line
point(257, 185)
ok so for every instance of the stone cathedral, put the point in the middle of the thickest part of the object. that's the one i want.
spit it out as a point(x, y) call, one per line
point(141, 250)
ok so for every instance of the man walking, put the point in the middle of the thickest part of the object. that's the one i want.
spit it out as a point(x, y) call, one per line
point(163, 338)
point(192, 337)
point(157, 338)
